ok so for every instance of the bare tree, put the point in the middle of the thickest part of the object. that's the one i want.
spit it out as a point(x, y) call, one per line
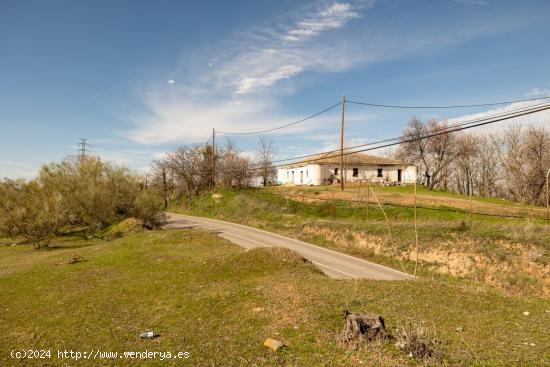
point(433, 155)
point(191, 168)
point(234, 169)
point(488, 166)
point(264, 160)
point(525, 159)
point(464, 165)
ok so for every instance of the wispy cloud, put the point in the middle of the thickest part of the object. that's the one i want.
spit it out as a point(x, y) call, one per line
point(536, 92)
point(239, 86)
point(16, 169)
point(535, 119)
point(334, 16)
point(249, 83)
point(472, 2)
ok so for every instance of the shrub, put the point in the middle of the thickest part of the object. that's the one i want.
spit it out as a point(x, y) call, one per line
point(31, 211)
point(148, 208)
point(418, 341)
point(93, 193)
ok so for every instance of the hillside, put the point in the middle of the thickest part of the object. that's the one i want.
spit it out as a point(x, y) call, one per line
point(502, 244)
point(207, 297)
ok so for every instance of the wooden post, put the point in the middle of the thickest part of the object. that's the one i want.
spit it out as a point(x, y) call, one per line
point(470, 192)
point(165, 188)
point(213, 157)
point(342, 174)
point(547, 198)
point(368, 199)
point(415, 231)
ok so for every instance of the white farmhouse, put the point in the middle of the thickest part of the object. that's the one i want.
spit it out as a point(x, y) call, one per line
point(318, 170)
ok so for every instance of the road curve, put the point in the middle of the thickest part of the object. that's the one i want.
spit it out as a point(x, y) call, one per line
point(334, 264)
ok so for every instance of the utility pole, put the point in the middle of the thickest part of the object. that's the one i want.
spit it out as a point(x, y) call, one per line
point(342, 174)
point(82, 148)
point(165, 187)
point(213, 157)
point(547, 198)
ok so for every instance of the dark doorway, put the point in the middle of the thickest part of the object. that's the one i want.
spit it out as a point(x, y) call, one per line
point(398, 175)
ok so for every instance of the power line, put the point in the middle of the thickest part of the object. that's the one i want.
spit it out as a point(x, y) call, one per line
point(384, 106)
point(436, 132)
point(465, 123)
point(449, 106)
point(546, 107)
point(279, 127)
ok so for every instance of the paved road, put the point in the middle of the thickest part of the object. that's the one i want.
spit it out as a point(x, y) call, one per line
point(332, 263)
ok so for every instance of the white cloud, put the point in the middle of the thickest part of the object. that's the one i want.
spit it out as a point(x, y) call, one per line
point(193, 122)
point(535, 119)
point(536, 92)
point(472, 2)
point(16, 169)
point(333, 17)
point(250, 154)
point(284, 72)
point(238, 87)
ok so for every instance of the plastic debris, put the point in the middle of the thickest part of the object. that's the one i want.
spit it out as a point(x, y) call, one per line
point(148, 335)
point(273, 344)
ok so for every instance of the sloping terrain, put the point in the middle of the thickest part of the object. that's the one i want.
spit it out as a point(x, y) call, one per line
point(219, 303)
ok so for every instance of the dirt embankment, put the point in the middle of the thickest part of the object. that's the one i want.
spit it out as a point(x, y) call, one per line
point(512, 267)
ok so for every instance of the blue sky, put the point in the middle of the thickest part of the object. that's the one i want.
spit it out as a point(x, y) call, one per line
point(101, 70)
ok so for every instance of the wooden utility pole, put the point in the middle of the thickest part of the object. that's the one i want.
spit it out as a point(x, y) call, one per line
point(165, 187)
point(342, 174)
point(471, 188)
point(547, 198)
point(415, 232)
point(213, 157)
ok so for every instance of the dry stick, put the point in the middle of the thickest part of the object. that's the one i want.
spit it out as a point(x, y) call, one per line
point(368, 201)
point(415, 231)
point(471, 218)
point(360, 199)
point(470, 349)
point(388, 229)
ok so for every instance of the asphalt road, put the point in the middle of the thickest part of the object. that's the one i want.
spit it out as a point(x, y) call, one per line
point(334, 264)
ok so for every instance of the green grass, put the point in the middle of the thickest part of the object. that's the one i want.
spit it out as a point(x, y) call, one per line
point(509, 253)
point(199, 291)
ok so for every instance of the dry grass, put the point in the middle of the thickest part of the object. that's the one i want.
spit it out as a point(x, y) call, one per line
point(199, 292)
point(418, 341)
point(510, 254)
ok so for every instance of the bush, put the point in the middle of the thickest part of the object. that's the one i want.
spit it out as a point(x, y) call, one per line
point(148, 208)
point(418, 341)
point(93, 193)
point(31, 211)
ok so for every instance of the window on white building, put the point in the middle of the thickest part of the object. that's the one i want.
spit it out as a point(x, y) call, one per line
point(380, 172)
point(356, 172)
point(336, 171)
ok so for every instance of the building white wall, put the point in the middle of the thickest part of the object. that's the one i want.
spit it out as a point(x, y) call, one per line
point(316, 174)
point(370, 172)
point(310, 174)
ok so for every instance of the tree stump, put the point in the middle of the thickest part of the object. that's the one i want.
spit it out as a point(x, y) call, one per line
point(361, 328)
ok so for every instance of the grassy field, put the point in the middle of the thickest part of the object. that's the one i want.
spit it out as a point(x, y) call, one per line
point(207, 297)
point(509, 253)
